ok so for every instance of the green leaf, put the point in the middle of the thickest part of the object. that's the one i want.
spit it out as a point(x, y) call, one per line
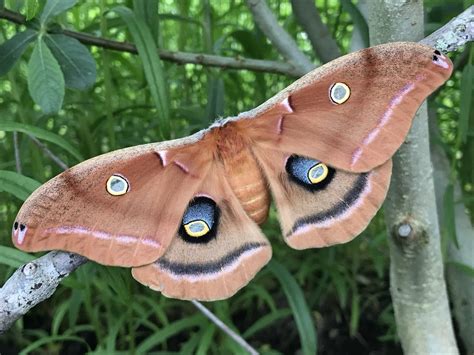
point(468, 270)
point(31, 8)
point(148, 10)
point(45, 79)
point(30, 349)
point(55, 7)
point(301, 311)
point(12, 49)
point(266, 321)
point(358, 19)
point(14, 257)
point(76, 62)
point(170, 330)
point(466, 102)
point(215, 98)
point(41, 134)
point(16, 184)
point(449, 215)
point(152, 64)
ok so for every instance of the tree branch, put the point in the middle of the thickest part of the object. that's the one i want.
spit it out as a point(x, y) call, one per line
point(49, 153)
point(33, 283)
point(321, 40)
point(287, 47)
point(238, 62)
point(460, 283)
point(417, 283)
point(454, 34)
point(17, 152)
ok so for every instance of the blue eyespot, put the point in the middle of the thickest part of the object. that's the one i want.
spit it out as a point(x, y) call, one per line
point(200, 220)
point(309, 173)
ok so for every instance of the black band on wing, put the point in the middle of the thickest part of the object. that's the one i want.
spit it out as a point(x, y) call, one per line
point(194, 269)
point(348, 200)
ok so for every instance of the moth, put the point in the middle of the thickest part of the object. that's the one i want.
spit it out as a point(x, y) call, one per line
point(185, 214)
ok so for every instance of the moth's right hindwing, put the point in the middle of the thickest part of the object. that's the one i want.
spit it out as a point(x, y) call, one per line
point(318, 205)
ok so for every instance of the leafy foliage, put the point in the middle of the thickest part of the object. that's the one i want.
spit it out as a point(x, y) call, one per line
point(339, 294)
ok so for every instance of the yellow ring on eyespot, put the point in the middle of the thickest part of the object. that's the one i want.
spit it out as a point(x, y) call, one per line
point(117, 185)
point(202, 226)
point(320, 177)
point(335, 90)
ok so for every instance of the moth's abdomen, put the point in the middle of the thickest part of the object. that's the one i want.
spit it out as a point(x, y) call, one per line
point(244, 174)
point(249, 185)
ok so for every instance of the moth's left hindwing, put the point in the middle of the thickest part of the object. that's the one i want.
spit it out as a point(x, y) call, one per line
point(217, 250)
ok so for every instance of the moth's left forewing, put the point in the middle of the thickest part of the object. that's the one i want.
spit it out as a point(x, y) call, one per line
point(354, 112)
point(81, 212)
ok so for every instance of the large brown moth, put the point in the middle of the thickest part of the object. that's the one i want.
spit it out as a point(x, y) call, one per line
point(184, 214)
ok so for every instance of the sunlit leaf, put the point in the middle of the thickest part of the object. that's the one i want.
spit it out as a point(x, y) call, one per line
point(45, 79)
point(55, 7)
point(31, 8)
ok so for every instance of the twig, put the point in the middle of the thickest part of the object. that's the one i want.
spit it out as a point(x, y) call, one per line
point(321, 40)
point(454, 34)
point(49, 153)
point(33, 283)
point(238, 339)
point(266, 20)
point(268, 66)
point(17, 152)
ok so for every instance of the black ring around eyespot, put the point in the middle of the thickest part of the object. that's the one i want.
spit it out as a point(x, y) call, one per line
point(205, 202)
point(294, 159)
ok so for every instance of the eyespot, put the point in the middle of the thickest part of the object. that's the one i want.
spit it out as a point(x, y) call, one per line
point(309, 173)
point(200, 220)
point(318, 173)
point(196, 228)
point(117, 185)
point(339, 93)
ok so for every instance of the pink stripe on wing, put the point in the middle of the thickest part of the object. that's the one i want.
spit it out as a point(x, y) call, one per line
point(387, 115)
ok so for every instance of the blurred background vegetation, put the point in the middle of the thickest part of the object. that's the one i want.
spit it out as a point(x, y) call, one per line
point(344, 289)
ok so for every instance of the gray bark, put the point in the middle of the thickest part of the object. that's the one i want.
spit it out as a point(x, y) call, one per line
point(321, 40)
point(417, 281)
point(460, 284)
point(33, 283)
point(284, 43)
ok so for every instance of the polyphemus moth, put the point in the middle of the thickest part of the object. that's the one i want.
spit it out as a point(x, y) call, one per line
point(184, 214)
